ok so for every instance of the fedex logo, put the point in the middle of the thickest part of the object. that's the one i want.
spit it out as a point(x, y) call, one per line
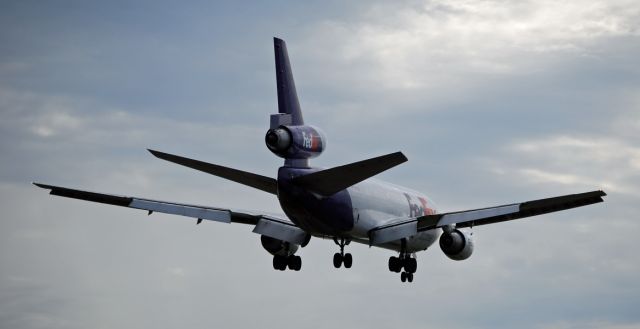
point(308, 141)
point(418, 209)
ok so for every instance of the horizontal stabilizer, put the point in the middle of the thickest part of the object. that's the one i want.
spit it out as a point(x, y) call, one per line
point(330, 181)
point(263, 183)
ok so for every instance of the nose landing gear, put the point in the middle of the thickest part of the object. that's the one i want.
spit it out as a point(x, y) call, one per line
point(341, 258)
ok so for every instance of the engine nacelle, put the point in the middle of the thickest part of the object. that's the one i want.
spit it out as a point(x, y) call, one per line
point(296, 142)
point(278, 247)
point(456, 245)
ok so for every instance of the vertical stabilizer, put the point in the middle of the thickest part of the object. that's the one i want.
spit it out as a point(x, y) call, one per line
point(287, 96)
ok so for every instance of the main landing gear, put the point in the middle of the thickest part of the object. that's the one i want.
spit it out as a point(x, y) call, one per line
point(405, 263)
point(281, 263)
point(341, 258)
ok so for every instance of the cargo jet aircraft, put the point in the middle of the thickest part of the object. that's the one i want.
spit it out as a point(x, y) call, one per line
point(342, 203)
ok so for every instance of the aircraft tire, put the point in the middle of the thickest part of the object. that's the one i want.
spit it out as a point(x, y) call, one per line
point(348, 260)
point(394, 264)
point(337, 260)
point(403, 276)
point(294, 263)
point(410, 277)
point(276, 262)
point(411, 265)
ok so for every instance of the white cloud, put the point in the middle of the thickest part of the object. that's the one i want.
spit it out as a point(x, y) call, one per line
point(580, 162)
point(435, 42)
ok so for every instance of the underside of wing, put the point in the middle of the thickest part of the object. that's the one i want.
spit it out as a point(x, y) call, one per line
point(509, 212)
point(270, 225)
point(404, 228)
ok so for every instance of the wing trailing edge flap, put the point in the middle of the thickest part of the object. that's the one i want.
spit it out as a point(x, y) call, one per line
point(280, 230)
point(260, 182)
point(400, 229)
point(330, 181)
point(268, 225)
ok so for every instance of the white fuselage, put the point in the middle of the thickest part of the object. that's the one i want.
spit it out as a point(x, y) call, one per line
point(377, 203)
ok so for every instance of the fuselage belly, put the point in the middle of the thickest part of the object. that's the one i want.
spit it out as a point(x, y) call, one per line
point(353, 212)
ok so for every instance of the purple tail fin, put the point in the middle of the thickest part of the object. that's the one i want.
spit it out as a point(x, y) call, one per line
point(287, 96)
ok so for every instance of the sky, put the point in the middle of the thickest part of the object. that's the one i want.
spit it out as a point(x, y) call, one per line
point(493, 102)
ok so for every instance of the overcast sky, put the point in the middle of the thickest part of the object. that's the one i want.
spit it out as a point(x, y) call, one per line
point(493, 102)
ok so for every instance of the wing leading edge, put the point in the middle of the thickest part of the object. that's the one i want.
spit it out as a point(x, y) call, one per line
point(475, 217)
point(270, 225)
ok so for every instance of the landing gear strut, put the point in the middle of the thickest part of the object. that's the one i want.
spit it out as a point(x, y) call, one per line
point(341, 258)
point(281, 263)
point(405, 261)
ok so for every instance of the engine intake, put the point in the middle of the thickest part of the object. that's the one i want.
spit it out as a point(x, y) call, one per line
point(278, 247)
point(296, 142)
point(456, 245)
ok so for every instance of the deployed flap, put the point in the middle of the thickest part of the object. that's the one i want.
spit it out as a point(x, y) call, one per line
point(392, 232)
point(330, 181)
point(266, 184)
point(281, 231)
point(269, 225)
point(399, 229)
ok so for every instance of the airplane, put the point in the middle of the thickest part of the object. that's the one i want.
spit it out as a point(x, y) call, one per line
point(342, 203)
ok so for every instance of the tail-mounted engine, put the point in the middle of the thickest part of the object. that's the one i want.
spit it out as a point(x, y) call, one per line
point(295, 142)
point(456, 245)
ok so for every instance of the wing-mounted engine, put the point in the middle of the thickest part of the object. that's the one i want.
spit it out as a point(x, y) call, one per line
point(278, 247)
point(296, 142)
point(456, 244)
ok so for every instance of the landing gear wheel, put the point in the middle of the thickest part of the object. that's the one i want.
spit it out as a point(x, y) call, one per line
point(403, 276)
point(298, 263)
point(394, 264)
point(410, 277)
point(410, 265)
point(348, 260)
point(340, 258)
point(279, 263)
point(337, 260)
point(294, 263)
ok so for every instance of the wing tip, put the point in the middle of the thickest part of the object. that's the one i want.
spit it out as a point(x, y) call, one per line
point(401, 156)
point(44, 186)
point(156, 154)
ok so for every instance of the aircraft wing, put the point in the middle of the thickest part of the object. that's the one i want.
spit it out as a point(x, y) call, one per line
point(404, 228)
point(269, 225)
